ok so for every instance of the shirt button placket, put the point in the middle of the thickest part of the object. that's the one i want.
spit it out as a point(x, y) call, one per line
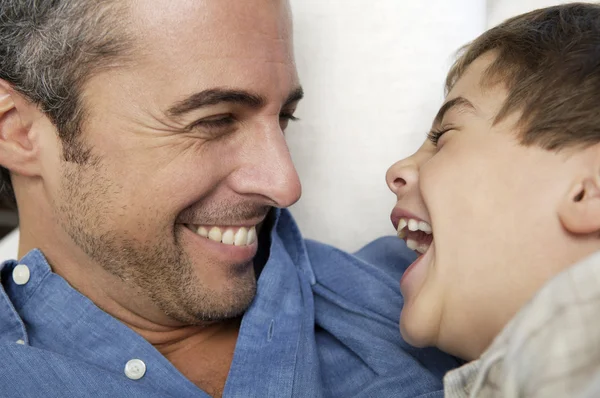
point(21, 274)
point(135, 369)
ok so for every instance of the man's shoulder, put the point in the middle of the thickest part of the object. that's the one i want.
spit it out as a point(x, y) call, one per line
point(382, 261)
point(368, 278)
point(357, 299)
point(388, 253)
point(384, 258)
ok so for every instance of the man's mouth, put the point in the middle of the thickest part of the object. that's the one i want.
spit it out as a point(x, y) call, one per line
point(230, 235)
point(417, 234)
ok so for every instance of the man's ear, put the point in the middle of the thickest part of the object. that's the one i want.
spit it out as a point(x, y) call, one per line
point(579, 211)
point(18, 146)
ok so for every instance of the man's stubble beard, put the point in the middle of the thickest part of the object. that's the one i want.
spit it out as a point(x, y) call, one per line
point(158, 268)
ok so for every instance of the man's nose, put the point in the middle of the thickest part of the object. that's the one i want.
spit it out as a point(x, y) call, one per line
point(402, 176)
point(268, 170)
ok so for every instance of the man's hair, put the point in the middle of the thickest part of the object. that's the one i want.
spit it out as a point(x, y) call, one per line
point(549, 61)
point(48, 50)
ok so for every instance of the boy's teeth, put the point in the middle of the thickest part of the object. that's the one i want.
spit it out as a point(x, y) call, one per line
point(407, 226)
point(413, 225)
point(402, 233)
point(411, 244)
point(423, 226)
point(401, 224)
point(242, 237)
point(422, 248)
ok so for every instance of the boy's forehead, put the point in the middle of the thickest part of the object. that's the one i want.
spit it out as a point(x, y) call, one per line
point(487, 99)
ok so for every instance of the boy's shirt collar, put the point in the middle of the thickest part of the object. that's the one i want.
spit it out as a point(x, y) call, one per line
point(551, 347)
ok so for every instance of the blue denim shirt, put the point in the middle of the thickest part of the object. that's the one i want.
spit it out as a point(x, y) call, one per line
point(324, 323)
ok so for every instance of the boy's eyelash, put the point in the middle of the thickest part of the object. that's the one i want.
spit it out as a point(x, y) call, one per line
point(435, 135)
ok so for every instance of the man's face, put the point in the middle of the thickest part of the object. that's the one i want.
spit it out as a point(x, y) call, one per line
point(492, 205)
point(188, 141)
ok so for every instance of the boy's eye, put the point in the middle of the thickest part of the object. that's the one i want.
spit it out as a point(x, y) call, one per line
point(435, 135)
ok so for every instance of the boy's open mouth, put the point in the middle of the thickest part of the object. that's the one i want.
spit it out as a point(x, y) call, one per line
point(417, 234)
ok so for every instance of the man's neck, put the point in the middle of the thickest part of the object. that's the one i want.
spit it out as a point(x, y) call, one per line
point(202, 353)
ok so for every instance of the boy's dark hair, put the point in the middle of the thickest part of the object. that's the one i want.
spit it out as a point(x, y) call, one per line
point(549, 61)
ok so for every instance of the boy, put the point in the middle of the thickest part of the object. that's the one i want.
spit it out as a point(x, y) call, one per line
point(504, 196)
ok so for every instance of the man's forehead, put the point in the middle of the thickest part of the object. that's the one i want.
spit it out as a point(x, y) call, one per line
point(213, 31)
point(209, 21)
point(188, 46)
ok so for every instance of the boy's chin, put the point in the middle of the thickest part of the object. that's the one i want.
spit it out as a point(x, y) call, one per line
point(414, 332)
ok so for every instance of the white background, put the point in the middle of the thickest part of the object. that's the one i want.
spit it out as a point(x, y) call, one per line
point(373, 72)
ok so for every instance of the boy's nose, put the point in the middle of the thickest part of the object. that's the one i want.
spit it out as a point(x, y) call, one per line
point(403, 175)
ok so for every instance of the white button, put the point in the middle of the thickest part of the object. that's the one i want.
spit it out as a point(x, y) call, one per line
point(20, 342)
point(135, 369)
point(21, 274)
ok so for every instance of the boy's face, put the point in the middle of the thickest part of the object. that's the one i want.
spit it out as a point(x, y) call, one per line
point(495, 210)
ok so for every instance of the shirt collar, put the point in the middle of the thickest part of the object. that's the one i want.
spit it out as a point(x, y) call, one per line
point(459, 383)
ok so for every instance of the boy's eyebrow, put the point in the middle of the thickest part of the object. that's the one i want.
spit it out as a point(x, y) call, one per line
point(458, 102)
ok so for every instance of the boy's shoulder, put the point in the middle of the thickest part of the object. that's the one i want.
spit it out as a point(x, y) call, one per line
point(551, 347)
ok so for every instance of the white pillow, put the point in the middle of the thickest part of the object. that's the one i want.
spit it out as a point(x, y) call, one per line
point(9, 246)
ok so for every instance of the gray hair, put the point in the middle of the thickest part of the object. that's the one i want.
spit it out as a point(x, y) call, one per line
point(48, 50)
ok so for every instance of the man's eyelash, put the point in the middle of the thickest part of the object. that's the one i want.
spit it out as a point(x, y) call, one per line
point(435, 135)
point(229, 120)
point(289, 116)
point(215, 123)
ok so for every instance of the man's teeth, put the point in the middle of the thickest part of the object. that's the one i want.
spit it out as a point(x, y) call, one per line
point(242, 237)
point(202, 232)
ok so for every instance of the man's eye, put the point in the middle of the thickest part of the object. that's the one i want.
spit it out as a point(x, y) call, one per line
point(288, 116)
point(215, 122)
point(227, 121)
point(285, 118)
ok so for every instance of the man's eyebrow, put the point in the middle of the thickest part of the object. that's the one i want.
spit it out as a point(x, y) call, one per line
point(458, 102)
point(216, 96)
point(213, 97)
point(295, 96)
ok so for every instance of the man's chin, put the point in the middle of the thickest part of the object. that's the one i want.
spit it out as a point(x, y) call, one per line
point(203, 305)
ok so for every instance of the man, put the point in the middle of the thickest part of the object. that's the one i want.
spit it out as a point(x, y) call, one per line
point(506, 196)
point(143, 143)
